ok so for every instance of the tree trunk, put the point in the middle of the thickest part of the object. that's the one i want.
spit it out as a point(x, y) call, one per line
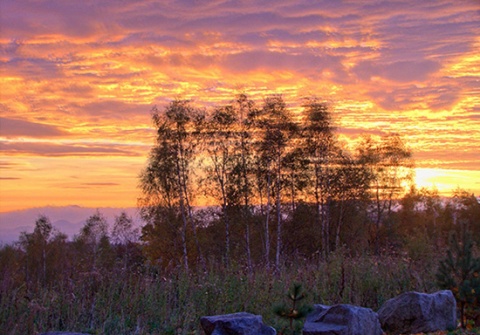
point(184, 218)
point(267, 223)
point(339, 225)
point(227, 234)
point(246, 203)
point(188, 209)
point(318, 207)
point(279, 216)
point(44, 264)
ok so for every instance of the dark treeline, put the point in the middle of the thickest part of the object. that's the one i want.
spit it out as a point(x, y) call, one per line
point(46, 257)
point(282, 187)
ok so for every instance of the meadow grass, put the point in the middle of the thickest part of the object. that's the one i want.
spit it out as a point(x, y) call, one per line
point(148, 302)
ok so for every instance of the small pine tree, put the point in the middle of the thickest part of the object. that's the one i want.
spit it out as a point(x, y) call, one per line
point(294, 312)
point(460, 273)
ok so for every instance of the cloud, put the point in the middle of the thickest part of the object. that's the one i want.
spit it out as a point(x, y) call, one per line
point(34, 68)
point(407, 71)
point(60, 150)
point(402, 71)
point(101, 184)
point(8, 165)
point(46, 17)
point(108, 109)
point(273, 61)
point(411, 96)
point(444, 158)
point(359, 132)
point(79, 79)
point(22, 128)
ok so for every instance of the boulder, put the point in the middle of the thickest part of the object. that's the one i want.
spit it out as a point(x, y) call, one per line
point(342, 320)
point(414, 312)
point(235, 324)
point(315, 314)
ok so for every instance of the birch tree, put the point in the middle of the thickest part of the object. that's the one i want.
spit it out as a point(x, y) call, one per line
point(167, 180)
point(320, 148)
point(219, 139)
point(277, 130)
point(390, 164)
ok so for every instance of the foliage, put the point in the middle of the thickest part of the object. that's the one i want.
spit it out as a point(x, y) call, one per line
point(261, 166)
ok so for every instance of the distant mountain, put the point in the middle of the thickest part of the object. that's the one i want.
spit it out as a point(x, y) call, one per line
point(68, 219)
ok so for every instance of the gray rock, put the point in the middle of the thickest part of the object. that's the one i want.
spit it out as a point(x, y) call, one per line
point(316, 313)
point(235, 324)
point(414, 312)
point(342, 320)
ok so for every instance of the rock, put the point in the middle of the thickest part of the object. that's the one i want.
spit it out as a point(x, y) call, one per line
point(62, 333)
point(414, 312)
point(235, 324)
point(342, 320)
point(315, 314)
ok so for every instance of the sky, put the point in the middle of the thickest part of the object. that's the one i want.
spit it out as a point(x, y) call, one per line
point(79, 79)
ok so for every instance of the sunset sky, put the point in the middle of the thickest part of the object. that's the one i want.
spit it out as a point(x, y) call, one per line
point(79, 78)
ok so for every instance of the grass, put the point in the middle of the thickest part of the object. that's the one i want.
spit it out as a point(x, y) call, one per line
point(160, 303)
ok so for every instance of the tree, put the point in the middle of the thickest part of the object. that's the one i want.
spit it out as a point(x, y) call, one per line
point(258, 165)
point(166, 181)
point(295, 164)
point(41, 235)
point(220, 138)
point(124, 236)
point(419, 218)
point(320, 148)
point(389, 162)
point(123, 231)
point(35, 247)
point(277, 130)
point(348, 188)
point(163, 239)
point(40, 248)
point(93, 239)
point(466, 212)
point(241, 192)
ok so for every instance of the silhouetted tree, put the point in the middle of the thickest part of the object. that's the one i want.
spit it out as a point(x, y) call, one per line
point(241, 191)
point(220, 137)
point(40, 249)
point(166, 181)
point(277, 131)
point(93, 239)
point(390, 164)
point(320, 147)
point(123, 231)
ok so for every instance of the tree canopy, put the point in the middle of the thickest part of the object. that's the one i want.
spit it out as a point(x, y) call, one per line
point(260, 167)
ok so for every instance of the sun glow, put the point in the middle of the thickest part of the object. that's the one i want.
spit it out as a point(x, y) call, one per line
point(446, 181)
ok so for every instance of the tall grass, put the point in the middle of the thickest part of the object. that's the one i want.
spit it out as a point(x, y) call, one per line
point(159, 303)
